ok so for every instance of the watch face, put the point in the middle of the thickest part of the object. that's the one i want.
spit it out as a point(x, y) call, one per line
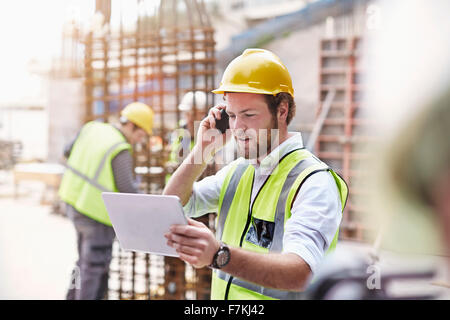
point(223, 257)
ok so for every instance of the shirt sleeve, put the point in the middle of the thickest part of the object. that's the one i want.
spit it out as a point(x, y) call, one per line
point(205, 194)
point(315, 217)
point(122, 166)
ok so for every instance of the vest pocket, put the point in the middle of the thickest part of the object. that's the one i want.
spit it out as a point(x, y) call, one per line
point(261, 233)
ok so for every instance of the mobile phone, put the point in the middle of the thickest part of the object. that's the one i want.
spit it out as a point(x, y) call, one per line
point(223, 124)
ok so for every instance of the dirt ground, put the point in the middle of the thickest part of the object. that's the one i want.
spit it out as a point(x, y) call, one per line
point(37, 248)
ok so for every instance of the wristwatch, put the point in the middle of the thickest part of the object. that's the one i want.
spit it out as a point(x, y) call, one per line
point(221, 258)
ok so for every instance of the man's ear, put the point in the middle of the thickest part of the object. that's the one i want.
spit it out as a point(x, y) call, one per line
point(282, 111)
point(128, 127)
point(133, 127)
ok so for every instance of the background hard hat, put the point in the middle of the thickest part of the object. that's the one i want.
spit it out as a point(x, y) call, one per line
point(256, 71)
point(140, 114)
point(188, 101)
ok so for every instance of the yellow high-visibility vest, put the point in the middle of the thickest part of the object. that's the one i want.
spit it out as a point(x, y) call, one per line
point(89, 171)
point(259, 226)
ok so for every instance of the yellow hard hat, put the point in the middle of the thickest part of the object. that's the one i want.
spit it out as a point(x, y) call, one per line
point(256, 71)
point(140, 114)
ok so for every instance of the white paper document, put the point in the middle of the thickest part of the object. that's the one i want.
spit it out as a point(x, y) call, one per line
point(141, 220)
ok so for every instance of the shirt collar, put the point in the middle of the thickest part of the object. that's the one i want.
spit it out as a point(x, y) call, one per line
point(269, 163)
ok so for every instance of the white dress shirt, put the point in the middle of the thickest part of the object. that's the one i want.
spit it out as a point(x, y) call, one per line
point(315, 214)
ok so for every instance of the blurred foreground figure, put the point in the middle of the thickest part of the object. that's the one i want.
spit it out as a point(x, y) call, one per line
point(417, 217)
point(409, 95)
point(410, 98)
point(419, 166)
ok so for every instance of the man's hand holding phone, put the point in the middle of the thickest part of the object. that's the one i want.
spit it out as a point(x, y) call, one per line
point(212, 135)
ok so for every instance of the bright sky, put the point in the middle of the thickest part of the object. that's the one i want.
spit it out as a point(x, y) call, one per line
point(32, 29)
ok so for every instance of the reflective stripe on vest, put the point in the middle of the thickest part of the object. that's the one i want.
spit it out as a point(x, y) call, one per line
point(293, 169)
point(94, 180)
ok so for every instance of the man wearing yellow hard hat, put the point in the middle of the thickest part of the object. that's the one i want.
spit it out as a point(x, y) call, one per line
point(279, 207)
point(98, 160)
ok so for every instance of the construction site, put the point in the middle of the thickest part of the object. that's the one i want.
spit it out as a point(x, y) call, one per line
point(99, 56)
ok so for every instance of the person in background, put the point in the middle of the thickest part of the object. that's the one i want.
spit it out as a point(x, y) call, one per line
point(99, 160)
point(192, 109)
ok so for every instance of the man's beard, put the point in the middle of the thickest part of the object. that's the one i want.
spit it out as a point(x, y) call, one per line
point(264, 141)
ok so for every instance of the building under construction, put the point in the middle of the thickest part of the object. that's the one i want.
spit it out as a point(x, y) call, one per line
point(166, 55)
point(166, 49)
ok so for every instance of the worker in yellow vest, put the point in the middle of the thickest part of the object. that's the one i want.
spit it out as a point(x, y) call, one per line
point(99, 159)
point(279, 207)
point(192, 107)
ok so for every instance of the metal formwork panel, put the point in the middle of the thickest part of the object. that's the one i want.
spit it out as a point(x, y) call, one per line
point(166, 55)
point(344, 131)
